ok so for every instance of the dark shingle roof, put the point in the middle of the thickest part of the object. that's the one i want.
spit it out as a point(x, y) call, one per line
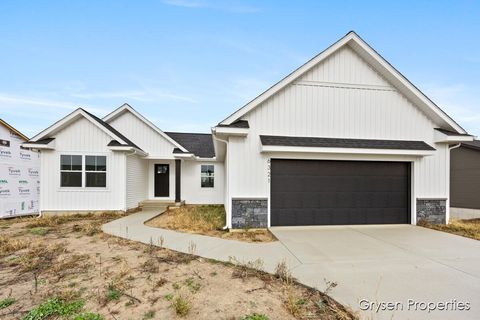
point(451, 133)
point(43, 141)
point(114, 131)
point(200, 144)
point(343, 143)
point(475, 144)
point(237, 124)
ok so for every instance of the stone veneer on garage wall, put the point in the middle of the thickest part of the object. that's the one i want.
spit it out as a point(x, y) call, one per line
point(432, 210)
point(249, 213)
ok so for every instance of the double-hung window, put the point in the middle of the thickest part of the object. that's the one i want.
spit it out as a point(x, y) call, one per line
point(83, 171)
point(96, 171)
point(70, 171)
point(207, 175)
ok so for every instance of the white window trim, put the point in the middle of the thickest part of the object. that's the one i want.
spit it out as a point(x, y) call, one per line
point(83, 188)
point(201, 176)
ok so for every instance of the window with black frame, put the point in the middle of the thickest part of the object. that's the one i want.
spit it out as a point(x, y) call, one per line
point(96, 171)
point(70, 171)
point(207, 175)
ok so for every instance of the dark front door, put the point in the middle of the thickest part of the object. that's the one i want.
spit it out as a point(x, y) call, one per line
point(313, 192)
point(162, 180)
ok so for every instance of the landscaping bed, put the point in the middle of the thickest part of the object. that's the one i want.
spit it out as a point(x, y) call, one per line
point(207, 220)
point(469, 228)
point(66, 268)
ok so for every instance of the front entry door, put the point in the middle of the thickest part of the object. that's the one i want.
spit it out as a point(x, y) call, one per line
point(162, 180)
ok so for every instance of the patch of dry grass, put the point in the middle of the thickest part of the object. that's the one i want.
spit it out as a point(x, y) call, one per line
point(207, 220)
point(9, 244)
point(466, 228)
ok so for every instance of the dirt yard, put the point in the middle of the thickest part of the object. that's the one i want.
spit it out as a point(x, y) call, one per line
point(66, 268)
point(207, 220)
point(466, 228)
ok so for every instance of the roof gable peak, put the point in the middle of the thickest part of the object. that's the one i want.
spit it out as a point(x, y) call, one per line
point(377, 62)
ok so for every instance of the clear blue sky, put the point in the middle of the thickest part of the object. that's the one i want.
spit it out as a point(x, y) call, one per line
point(187, 64)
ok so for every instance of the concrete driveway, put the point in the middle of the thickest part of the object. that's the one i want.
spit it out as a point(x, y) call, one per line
point(401, 264)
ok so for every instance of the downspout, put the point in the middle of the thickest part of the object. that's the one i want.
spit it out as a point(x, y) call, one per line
point(225, 227)
point(454, 146)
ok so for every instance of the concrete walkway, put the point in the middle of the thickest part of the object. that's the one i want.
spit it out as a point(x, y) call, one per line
point(132, 227)
point(376, 263)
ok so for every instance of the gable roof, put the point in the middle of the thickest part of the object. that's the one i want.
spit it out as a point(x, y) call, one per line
point(377, 62)
point(200, 144)
point(128, 142)
point(127, 108)
point(9, 127)
point(73, 116)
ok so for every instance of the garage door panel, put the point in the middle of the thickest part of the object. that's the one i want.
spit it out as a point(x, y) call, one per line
point(313, 192)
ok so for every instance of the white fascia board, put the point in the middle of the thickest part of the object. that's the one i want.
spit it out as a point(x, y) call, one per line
point(70, 118)
point(361, 47)
point(214, 159)
point(183, 155)
point(49, 146)
point(443, 138)
point(285, 149)
point(228, 131)
point(127, 107)
point(128, 148)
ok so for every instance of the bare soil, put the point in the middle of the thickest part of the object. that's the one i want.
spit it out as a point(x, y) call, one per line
point(71, 259)
point(206, 220)
point(469, 228)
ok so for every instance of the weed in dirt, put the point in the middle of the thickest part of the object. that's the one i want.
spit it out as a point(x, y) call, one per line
point(244, 270)
point(88, 316)
point(7, 302)
point(168, 297)
point(150, 265)
point(55, 308)
point(113, 293)
point(39, 231)
point(192, 285)
point(283, 273)
point(149, 315)
point(181, 303)
point(39, 258)
point(294, 303)
point(255, 316)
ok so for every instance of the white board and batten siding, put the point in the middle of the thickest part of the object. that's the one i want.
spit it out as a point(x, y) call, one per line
point(136, 184)
point(82, 138)
point(341, 97)
point(144, 136)
point(192, 191)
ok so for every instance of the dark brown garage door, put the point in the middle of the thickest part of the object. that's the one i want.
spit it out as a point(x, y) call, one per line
point(312, 192)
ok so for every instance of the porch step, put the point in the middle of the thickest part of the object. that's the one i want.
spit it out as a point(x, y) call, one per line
point(154, 204)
